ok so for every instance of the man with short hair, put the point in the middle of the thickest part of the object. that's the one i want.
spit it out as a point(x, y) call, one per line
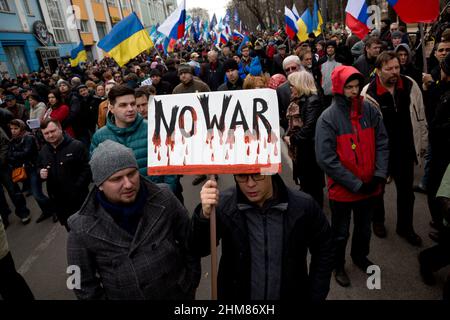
point(266, 230)
point(366, 62)
point(63, 163)
point(399, 99)
point(277, 64)
point(291, 64)
point(188, 83)
point(326, 69)
point(142, 102)
point(126, 126)
point(246, 59)
point(71, 99)
point(396, 39)
point(233, 80)
point(194, 63)
point(161, 86)
point(130, 237)
point(18, 110)
point(442, 49)
point(212, 72)
point(88, 115)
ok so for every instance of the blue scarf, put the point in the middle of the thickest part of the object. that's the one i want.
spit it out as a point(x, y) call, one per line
point(126, 216)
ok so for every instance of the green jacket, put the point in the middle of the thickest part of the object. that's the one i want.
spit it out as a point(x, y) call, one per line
point(135, 138)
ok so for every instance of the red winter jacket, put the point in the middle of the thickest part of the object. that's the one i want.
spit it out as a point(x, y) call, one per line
point(351, 142)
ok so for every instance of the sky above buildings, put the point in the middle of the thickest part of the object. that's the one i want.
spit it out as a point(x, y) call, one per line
point(213, 6)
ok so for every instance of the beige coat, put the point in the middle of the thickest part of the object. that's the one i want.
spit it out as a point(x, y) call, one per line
point(418, 120)
point(3, 242)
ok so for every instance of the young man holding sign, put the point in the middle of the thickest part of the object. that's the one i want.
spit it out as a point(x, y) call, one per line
point(266, 231)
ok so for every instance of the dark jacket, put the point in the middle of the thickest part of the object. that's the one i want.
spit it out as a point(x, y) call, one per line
point(69, 175)
point(171, 76)
point(154, 264)
point(228, 86)
point(409, 69)
point(366, 66)
point(5, 117)
point(302, 140)
point(74, 118)
point(440, 126)
point(277, 66)
point(22, 151)
point(305, 227)
point(19, 112)
point(163, 87)
point(403, 117)
point(284, 98)
point(351, 143)
point(87, 120)
point(213, 75)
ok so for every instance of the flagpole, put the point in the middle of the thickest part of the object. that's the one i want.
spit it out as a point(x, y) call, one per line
point(78, 29)
point(422, 37)
point(213, 240)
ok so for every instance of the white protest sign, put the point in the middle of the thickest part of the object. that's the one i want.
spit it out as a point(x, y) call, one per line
point(214, 133)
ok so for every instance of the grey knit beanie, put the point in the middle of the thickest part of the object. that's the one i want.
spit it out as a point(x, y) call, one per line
point(108, 158)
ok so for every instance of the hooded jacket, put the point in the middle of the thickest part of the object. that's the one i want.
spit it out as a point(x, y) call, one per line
point(409, 69)
point(135, 138)
point(351, 142)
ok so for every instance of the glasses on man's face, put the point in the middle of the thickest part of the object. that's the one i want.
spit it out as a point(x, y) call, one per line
point(289, 69)
point(242, 178)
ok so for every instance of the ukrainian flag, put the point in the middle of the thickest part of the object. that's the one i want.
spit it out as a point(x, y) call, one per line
point(78, 55)
point(126, 40)
point(304, 24)
point(317, 19)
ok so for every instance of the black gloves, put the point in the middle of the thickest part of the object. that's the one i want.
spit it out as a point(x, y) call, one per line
point(371, 186)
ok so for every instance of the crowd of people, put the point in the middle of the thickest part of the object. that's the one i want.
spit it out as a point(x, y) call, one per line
point(355, 115)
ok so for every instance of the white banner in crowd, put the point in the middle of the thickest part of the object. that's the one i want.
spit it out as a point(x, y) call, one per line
point(214, 133)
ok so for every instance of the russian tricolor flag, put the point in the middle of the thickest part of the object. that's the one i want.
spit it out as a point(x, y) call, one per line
point(223, 38)
point(174, 25)
point(412, 11)
point(291, 26)
point(357, 17)
point(237, 35)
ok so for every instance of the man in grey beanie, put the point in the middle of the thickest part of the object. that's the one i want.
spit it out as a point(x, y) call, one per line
point(130, 236)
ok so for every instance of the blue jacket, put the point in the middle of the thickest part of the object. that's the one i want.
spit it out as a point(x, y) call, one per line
point(135, 138)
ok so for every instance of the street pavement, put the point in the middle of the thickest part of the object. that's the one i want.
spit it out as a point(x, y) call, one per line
point(39, 252)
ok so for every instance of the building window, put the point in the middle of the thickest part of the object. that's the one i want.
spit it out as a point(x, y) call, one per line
point(57, 20)
point(26, 5)
point(84, 26)
point(124, 4)
point(101, 29)
point(112, 3)
point(4, 6)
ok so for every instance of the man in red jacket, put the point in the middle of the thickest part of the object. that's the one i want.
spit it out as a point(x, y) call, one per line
point(352, 149)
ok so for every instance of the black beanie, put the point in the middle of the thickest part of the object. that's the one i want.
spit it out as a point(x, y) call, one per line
point(230, 64)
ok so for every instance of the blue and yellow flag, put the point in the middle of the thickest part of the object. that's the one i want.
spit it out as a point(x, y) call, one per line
point(78, 55)
point(317, 19)
point(304, 25)
point(126, 40)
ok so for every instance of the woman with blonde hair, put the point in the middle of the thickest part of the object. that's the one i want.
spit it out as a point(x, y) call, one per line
point(302, 114)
